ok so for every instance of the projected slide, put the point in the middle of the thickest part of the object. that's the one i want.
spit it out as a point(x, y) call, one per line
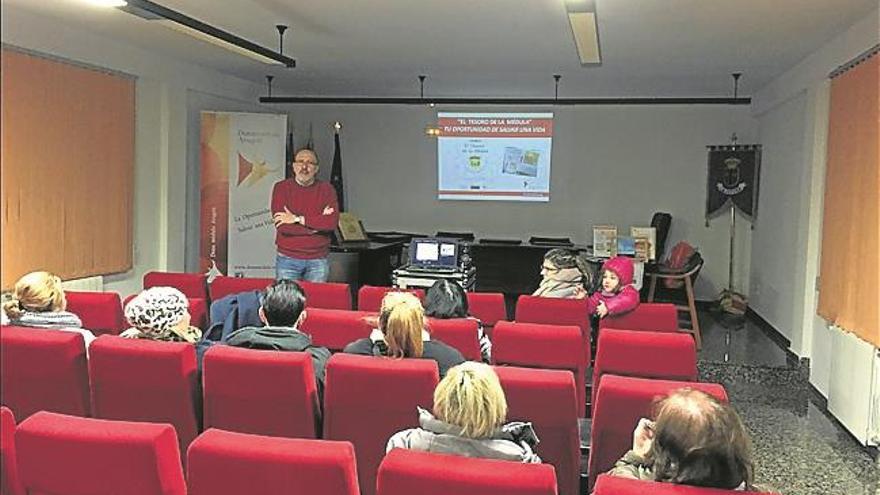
point(494, 156)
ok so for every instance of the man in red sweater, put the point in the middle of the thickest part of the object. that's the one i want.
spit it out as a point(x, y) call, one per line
point(305, 211)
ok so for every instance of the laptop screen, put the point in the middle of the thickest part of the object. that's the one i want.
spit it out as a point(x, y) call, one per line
point(433, 252)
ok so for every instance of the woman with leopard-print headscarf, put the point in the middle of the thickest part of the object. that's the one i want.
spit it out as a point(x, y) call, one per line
point(160, 313)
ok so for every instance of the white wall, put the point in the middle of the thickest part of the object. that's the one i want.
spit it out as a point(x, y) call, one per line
point(161, 129)
point(796, 103)
point(611, 164)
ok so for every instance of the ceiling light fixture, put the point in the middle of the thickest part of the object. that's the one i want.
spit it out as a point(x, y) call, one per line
point(180, 22)
point(585, 28)
point(107, 3)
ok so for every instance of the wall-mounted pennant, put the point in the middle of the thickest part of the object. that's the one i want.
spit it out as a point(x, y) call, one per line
point(733, 176)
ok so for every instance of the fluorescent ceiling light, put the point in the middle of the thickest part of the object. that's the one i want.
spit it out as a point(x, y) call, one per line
point(582, 16)
point(180, 22)
point(108, 3)
point(195, 33)
point(586, 36)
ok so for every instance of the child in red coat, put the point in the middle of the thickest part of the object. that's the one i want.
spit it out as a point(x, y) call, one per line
point(617, 295)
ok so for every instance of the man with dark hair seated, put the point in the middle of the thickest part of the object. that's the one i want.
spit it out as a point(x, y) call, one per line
point(282, 311)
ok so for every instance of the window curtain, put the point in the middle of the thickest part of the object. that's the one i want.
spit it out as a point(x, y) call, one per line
point(849, 280)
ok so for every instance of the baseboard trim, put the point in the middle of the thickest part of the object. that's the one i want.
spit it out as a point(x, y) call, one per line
point(772, 333)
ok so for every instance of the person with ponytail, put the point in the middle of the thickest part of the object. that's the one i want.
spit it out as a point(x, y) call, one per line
point(401, 334)
point(38, 302)
point(468, 420)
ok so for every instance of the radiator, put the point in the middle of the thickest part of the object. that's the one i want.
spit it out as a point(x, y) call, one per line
point(854, 397)
point(84, 284)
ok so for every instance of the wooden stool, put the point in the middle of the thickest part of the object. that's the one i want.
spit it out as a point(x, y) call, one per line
point(691, 308)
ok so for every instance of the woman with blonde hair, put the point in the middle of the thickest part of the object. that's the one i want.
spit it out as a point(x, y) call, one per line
point(38, 302)
point(160, 313)
point(401, 334)
point(468, 420)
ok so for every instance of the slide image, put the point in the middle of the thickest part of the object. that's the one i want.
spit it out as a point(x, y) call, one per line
point(519, 162)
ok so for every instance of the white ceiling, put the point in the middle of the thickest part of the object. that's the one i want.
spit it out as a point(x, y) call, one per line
point(491, 47)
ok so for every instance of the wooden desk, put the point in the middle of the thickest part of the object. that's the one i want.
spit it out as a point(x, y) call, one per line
point(364, 263)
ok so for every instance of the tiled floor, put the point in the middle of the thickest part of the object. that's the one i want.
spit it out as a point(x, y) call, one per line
point(799, 449)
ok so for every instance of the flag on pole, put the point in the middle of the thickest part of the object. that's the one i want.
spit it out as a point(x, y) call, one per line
point(288, 156)
point(336, 171)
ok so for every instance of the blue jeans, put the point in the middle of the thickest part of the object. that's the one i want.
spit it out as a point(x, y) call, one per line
point(288, 268)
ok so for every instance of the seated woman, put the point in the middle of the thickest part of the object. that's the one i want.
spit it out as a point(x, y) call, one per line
point(160, 313)
point(447, 300)
point(468, 420)
point(38, 302)
point(565, 275)
point(402, 334)
point(694, 440)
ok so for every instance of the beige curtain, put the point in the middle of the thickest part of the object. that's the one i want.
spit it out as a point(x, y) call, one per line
point(850, 269)
point(67, 168)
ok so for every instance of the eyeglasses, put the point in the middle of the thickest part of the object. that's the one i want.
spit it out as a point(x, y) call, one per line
point(306, 162)
point(549, 268)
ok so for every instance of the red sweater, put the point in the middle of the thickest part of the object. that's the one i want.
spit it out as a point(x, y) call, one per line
point(311, 241)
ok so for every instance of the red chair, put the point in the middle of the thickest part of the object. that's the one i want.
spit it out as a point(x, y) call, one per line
point(405, 472)
point(100, 312)
point(144, 380)
point(620, 403)
point(193, 285)
point(657, 317)
point(547, 398)
point(367, 399)
point(260, 392)
point(222, 285)
point(543, 346)
point(667, 356)
point(336, 328)
point(66, 454)
point(43, 370)
point(370, 296)
point(460, 333)
point(10, 484)
point(198, 310)
point(489, 307)
point(614, 485)
point(326, 295)
point(553, 311)
point(222, 462)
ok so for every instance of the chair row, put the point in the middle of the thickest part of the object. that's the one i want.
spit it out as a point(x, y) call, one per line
point(274, 393)
point(222, 462)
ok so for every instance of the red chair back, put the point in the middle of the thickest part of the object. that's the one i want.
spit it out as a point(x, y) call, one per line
point(460, 333)
point(531, 345)
point(489, 307)
point(547, 398)
point(553, 311)
point(615, 485)
point(336, 328)
point(43, 369)
point(657, 317)
point(193, 285)
point(326, 295)
point(100, 312)
point(370, 296)
point(367, 399)
point(620, 403)
point(405, 472)
point(144, 380)
point(10, 484)
point(222, 462)
point(667, 356)
point(66, 454)
point(260, 392)
point(222, 285)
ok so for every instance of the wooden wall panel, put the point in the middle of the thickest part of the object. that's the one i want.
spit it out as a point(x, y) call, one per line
point(67, 168)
